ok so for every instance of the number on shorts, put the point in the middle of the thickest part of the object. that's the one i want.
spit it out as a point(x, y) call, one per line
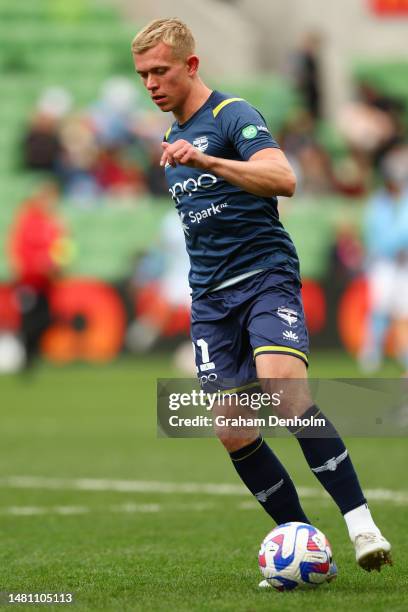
point(206, 364)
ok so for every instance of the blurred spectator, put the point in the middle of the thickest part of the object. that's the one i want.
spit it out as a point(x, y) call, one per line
point(348, 252)
point(37, 250)
point(310, 161)
point(78, 158)
point(155, 177)
point(115, 115)
point(365, 128)
point(298, 132)
point(112, 148)
point(116, 176)
point(386, 237)
point(352, 175)
point(316, 172)
point(41, 145)
point(162, 292)
point(373, 124)
point(306, 73)
point(392, 106)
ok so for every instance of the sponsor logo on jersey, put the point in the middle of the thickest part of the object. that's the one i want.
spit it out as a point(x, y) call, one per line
point(288, 315)
point(205, 213)
point(190, 185)
point(288, 334)
point(201, 143)
point(250, 131)
point(262, 128)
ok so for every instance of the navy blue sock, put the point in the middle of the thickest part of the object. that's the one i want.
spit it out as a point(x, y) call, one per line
point(269, 482)
point(328, 459)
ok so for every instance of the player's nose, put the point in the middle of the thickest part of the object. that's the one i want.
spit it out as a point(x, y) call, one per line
point(151, 83)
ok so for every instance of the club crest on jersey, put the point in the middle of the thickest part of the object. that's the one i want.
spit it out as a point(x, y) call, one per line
point(288, 315)
point(201, 143)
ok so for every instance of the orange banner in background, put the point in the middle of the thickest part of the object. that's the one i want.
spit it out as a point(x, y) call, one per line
point(389, 7)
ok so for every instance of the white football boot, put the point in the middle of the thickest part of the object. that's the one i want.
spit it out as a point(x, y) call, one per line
point(372, 551)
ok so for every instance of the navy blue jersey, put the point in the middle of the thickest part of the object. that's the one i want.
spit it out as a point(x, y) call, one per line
point(228, 231)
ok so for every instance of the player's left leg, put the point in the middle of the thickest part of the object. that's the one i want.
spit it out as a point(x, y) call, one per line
point(326, 455)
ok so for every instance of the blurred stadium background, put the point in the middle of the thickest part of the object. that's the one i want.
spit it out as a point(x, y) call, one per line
point(79, 134)
point(92, 273)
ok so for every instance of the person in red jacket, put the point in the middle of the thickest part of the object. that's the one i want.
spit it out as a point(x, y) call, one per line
point(36, 249)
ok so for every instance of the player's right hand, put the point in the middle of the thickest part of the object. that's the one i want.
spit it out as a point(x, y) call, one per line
point(182, 152)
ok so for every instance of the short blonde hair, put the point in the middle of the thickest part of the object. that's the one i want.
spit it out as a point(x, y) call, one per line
point(173, 32)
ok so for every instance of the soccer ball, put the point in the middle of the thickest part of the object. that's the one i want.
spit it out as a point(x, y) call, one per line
point(296, 555)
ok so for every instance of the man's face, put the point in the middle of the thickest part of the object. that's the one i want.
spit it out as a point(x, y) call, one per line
point(166, 78)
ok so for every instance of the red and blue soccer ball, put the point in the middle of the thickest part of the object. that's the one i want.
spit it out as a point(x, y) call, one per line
point(296, 555)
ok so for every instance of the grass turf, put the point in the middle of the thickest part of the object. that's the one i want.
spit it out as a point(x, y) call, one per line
point(177, 551)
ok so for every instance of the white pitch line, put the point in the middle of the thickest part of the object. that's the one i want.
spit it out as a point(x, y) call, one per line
point(153, 486)
point(122, 486)
point(122, 508)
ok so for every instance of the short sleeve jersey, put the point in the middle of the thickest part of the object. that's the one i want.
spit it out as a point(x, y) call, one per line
point(228, 231)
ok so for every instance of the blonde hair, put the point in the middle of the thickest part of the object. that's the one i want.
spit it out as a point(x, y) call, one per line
point(173, 32)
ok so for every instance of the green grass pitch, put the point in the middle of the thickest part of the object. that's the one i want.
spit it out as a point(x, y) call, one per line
point(73, 440)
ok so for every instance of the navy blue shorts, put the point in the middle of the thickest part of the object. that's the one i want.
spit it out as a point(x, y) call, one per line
point(229, 327)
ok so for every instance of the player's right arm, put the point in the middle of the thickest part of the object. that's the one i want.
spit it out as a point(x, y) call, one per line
point(264, 170)
point(267, 173)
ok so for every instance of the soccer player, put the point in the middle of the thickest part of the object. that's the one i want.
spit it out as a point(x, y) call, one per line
point(224, 171)
point(386, 238)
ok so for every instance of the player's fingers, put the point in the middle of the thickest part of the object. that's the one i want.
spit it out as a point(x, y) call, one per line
point(164, 156)
point(186, 158)
point(177, 155)
point(181, 153)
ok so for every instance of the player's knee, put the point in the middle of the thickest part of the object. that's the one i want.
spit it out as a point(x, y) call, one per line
point(271, 367)
point(233, 442)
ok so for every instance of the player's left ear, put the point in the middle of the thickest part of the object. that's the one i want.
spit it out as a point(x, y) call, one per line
point(192, 64)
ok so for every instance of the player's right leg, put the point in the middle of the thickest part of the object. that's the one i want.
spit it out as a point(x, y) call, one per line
point(224, 361)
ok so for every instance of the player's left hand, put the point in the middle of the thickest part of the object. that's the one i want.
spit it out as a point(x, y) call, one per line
point(183, 152)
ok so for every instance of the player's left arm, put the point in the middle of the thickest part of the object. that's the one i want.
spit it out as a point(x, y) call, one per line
point(267, 172)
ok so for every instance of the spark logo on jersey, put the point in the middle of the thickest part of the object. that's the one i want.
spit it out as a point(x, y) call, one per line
point(212, 210)
point(187, 187)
